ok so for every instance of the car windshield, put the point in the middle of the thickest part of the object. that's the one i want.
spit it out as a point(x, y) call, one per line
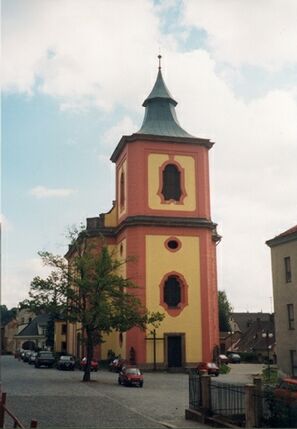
point(211, 365)
point(66, 358)
point(133, 371)
point(46, 355)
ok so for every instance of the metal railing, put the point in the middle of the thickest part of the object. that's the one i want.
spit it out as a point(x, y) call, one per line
point(227, 399)
point(195, 399)
point(5, 411)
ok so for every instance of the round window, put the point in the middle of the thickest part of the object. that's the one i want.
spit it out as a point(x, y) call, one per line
point(172, 244)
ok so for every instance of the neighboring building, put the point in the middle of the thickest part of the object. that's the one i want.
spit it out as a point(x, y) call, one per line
point(259, 338)
point(162, 216)
point(60, 338)
point(240, 322)
point(11, 329)
point(284, 277)
point(33, 336)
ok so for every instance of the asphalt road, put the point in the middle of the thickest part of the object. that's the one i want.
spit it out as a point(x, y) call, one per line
point(59, 399)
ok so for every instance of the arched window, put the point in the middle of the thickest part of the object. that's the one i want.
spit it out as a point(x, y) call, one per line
point(122, 189)
point(171, 189)
point(172, 291)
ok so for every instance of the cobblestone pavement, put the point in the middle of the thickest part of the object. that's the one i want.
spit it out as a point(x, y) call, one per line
point(58, 399)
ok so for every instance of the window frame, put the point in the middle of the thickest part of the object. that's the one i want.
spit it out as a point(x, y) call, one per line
point(174, 311)
point(291, 317)
point(183, 192)
point(293, 360)
point(288, 269)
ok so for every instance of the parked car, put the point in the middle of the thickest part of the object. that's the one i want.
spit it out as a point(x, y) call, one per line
point(27, 355)
point(66, 362)
point(32, 358)
point(287, 390)
point(44, 358)
point(234, 358)
point(210, 367)
point(117, 364)
point(130, 376)
point(223, 359)
point(94, 364)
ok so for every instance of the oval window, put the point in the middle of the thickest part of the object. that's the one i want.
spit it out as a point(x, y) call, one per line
point(172, 244)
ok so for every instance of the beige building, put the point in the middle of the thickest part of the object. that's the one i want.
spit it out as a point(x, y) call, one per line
point(284, 277)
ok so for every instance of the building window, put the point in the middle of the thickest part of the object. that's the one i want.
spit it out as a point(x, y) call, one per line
point(172, 291)
point(64, 329)
point(288, 272)
point(122, 190)
point(172, 244)
point(63, 346)
point(291, 323)
point(171, 189)
point(293, 358)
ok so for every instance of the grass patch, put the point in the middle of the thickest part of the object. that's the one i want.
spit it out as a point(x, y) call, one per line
point(270, 376)
point(224, 369)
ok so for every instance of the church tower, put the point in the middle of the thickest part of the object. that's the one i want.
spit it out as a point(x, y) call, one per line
point(161, 217)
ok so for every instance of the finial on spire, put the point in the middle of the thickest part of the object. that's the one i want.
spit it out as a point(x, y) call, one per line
point(159, 56)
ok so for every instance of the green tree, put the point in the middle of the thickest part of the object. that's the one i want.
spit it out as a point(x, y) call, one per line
point(225, 308)
point(7, 315)
point(90, 291)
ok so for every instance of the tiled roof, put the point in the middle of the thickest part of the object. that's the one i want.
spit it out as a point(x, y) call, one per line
point(31, 330)
point(286, 236)
point(288, 232)
point(244, 320)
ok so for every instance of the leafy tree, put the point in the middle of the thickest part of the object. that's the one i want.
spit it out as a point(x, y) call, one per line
point(225, 308)
point(7, 315)
point(91, 291)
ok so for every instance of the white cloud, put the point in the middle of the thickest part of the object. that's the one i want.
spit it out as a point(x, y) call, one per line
point(6, 225)
point(254, 32)
point(90, 52)
point(43, 192)
point(124, 127)
point(17, 278)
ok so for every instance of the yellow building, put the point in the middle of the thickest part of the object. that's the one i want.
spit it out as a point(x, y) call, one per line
point(162, 217)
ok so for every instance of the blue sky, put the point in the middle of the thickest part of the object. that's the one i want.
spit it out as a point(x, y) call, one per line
point(75, 74)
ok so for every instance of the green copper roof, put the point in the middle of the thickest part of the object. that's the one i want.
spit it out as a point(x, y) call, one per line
point(160, 117)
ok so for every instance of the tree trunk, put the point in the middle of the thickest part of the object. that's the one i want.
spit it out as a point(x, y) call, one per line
point(87, 369)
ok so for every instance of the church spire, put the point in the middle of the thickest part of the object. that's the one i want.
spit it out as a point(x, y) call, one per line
point(160, 117)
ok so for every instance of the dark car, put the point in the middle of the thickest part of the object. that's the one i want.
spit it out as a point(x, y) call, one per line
point(94, 364)
point(234, 358)
point(223, 359)
point(27, 355)
point(130, 376)
point(44, 359)
point(66, 362)
point(210, 367)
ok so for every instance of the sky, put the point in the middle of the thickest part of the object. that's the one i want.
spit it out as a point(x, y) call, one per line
point(74, 76)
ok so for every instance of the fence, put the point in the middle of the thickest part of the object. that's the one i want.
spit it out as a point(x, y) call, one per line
point(228, 399)
point(241, 405)
point(5, 411)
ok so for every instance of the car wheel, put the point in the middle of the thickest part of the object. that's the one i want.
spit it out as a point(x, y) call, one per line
point(141, 384)
point(216, 374)
point(119, 381)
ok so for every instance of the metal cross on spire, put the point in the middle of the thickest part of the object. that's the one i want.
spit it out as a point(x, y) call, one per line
point(159, 56)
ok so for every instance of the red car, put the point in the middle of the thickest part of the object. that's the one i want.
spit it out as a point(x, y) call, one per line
point(130, 376)
point(94, 364)
point(287, 390)
point(210, 367)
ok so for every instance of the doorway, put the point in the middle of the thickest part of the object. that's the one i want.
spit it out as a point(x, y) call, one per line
point(174, 351)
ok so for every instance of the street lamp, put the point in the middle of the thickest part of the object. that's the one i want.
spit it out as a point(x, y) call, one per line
point(266, 334)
